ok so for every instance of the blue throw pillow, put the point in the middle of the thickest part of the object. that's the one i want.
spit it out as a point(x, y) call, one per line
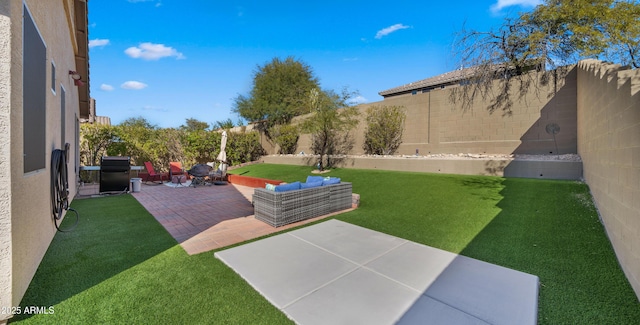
point(313, 179)
point(288, 187)
point(310, 184)
point(330, 181)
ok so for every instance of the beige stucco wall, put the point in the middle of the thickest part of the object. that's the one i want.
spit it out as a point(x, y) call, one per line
point(609, 144)
point(434, 125)
point(25, 198)
point(5, 145)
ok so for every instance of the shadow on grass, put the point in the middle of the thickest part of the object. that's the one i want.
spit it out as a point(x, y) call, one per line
point(113, 235)
point(548, 229)
point(542, 227)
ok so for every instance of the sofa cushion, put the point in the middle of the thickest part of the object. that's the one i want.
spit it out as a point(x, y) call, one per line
point(288, 187)
point(330, 181)
point(313, 179)
point(310, 184)
point(270, 187)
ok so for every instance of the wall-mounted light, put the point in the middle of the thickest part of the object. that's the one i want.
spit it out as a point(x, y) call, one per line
point(77, 78)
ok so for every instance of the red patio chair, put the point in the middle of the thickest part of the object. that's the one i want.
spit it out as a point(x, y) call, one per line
point(151, 173)
point(175, 168)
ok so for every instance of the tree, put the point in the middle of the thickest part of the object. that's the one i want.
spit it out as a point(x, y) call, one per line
point(192, 124)
point(573, 30)
point(167, 145)
point(556, 33)
point(286, 137)
point(133, 135)
point(243, 147)
point(329, 125)
point(223, 125)
point(95, 139)
point(279, 93)
point(200, 146)
point(625, 33)
point(384, 129)
point(495, 61)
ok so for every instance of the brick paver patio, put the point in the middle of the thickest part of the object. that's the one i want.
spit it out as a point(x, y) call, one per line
point(208, 217)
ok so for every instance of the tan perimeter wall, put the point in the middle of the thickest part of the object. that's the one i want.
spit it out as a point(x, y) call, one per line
point(433, 125)
point(609, 144)
point(26, 225)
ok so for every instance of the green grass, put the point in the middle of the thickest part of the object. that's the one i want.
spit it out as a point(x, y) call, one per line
point(120, 266)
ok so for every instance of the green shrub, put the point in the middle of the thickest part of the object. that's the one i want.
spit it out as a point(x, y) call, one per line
point(243, 147)
point(384, 129)
point(286, 137)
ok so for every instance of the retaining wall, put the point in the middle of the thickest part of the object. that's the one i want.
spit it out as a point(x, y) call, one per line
point(508, 167)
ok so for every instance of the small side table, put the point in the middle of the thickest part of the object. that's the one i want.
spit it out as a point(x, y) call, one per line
point(178, 179)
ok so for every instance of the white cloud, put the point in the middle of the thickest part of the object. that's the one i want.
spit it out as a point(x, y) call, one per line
point(98, 42)
point(350, 59)
point(358, 100)
point(501, 4)
point(151, 51)
point(106, 87)
point(386, 31)
point(135, 85)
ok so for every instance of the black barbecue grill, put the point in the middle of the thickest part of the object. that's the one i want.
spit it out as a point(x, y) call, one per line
point(199, 173)
point(114, 174)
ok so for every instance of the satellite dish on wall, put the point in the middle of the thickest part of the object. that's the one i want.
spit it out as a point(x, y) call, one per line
point(553, 129)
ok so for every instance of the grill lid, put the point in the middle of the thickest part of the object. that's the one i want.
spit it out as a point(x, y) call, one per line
point(200, 170)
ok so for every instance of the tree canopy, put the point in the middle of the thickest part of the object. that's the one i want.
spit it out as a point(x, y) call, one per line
point(280, 88)
point(573, 30)
point(330, 124)
point(190, 144)
point(192, 124)
point(555, 33)
point(558, 33)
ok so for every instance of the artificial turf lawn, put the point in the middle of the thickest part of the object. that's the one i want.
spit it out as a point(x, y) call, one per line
point(121, 266)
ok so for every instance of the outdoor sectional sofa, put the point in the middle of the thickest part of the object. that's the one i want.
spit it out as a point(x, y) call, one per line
point(288, 203)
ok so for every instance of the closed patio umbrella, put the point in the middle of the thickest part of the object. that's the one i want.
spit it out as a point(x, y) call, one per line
point(222, 156)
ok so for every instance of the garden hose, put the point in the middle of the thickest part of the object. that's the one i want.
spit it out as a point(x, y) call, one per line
point(60, 187)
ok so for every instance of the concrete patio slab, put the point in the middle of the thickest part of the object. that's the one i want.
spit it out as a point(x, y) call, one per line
point(338, 273)
point(428, 311)
point(360, 297)
point(308, 267)
point(356, 244)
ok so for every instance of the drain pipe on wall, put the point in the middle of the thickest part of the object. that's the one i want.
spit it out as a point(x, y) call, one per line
point(60, 187)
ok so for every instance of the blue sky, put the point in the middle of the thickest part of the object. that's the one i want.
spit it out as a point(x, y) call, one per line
point(169, 60)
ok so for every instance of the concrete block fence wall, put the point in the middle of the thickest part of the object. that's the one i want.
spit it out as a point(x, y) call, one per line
point(434, 125)
point(609, 144)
